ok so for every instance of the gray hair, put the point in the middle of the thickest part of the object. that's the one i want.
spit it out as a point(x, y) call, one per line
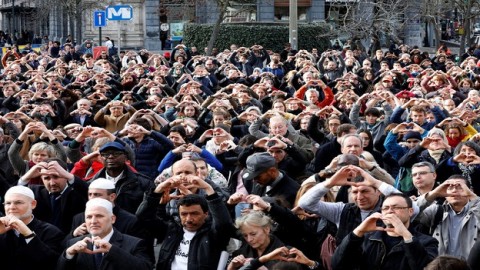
point(254, 218)
point(351, 135)
point(430, 166)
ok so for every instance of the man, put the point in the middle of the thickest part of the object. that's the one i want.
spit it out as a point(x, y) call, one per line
point(150, 146)
point(25, 241)
point(129, 185)
point(268, 180)
point(82, 115)
point(197, 241)
point(327, 152)
point(353, 144)
point(61, 196)
point(278, 126)
point(423, 176)
point(398, 246)
point(125, 222)
point(105, 248)
point(455, 222)
point(372, 117)
point(366, 196)
point(418, 114)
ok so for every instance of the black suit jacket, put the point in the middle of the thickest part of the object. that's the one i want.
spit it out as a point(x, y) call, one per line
point(127, 253)
point(286, 188)
point(72, 202)
point(41, 252)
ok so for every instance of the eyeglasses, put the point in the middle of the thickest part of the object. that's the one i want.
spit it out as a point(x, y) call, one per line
point(394, 208)
point(454, 187)
point(113, 154)
point(420, 173)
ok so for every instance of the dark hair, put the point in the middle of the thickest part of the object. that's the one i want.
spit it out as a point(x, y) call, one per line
point(60, 162)
point(344, 128)
point(470, 144)
point(143, 122)
point(446, 262)
point(404, 196)
point(247, 140)
point(179, 129)
point(373, 111)
point(194, 199)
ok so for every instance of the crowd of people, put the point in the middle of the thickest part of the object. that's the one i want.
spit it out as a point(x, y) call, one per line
point(244, 159)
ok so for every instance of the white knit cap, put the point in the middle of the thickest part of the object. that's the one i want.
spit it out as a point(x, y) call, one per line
point(21, 190)
point(102, 183)
point(100, 202)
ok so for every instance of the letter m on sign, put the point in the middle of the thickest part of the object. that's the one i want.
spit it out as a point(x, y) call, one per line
point(119, 13)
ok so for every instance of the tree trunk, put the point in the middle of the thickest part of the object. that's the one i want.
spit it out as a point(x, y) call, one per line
point(215, 31)
point(438, 34)
point(71, 22)
point(78, 24)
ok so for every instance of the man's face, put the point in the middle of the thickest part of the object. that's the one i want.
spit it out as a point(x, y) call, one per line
point(402, 211)
point(448, 105)
point(418, 117)
point(312, 97)
point(371, 119)
point(113, 158)
point(277, 154)
point(183, 169)
point(264, 178)
point(176, 139)
point(192, 217)
point(53, 183)
point(352, 145)
point(202, 169)
point(365, 197)
point(39, 156)
point(116, 111)
point(455, 196)
point(333, 125)
point(100, 193)
point(98, 221)
point(278, 127)
point(19, 205)
point(422, 177)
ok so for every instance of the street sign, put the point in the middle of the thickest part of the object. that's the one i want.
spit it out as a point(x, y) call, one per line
point(119, 13)
point(99, 18)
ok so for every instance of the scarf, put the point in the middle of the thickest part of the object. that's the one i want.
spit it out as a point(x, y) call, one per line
point(467, 170)
point(436, 154)
point(453, 142)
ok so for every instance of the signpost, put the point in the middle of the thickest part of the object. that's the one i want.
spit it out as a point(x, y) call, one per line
point(99, 20)
point(119, 13)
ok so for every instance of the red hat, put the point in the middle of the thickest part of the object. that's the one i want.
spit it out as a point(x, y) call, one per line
point(166, 54)
point(405, 94)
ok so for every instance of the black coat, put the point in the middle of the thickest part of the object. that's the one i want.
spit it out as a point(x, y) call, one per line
point(127, 253)
point(72, 202)
point(129, 189)
point(369, 252)
point(40, 253)
point(207, 244)
point(287, 188)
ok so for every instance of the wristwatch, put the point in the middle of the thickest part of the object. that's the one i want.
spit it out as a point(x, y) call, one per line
point(32, 235)
point(315, 265)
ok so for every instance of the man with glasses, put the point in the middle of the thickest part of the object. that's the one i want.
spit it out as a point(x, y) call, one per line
point(423, 176)
point(367, 196)
point(386, 240)
point(454, 223)
point(25, 241)
point(129, 184)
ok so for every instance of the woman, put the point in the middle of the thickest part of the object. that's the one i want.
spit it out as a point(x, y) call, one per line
point(368, 146)
point(255, 228)
point(465, 161)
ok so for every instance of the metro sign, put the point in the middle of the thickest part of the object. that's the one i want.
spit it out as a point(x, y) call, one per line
point(119, 13)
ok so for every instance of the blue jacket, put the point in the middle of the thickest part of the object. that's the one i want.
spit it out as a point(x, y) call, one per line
point(149, 152)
